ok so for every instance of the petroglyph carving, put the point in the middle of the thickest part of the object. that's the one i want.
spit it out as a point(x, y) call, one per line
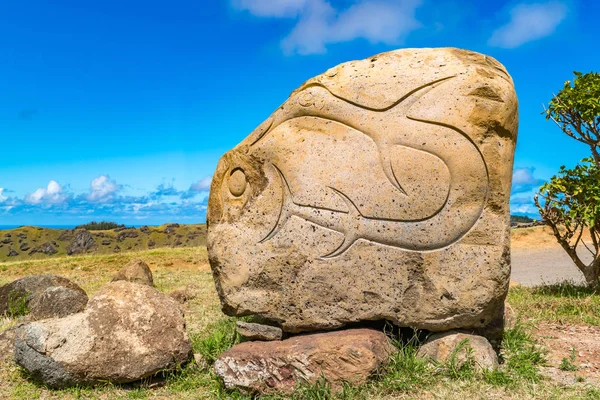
point(378, 190)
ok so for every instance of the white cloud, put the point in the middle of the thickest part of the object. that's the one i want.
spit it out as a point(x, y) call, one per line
point(202, 185)
point(529, 22)
point(102, 189)
point(53, 194)
point(319, 23)
point(2, 197)
point(524, 176)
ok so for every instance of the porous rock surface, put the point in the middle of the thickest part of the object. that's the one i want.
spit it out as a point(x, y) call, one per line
point(57, 302)
point(345, 356)
point(378, 191)
point(254, 331)
point(46, 296)
point(459, 348)
point(128, 332)
point(135, 271)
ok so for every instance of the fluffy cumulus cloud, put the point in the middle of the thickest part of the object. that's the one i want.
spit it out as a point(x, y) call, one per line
point(202, 185)
point(524, 180)
point(51, 195)
point(102, 189)
point(529, 22)
point(524, 186)
point(319, 23)
point(108, 200)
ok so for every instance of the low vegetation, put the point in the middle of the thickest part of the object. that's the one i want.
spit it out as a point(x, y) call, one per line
point(100, 226)
point(33, 243)
point(406, 377)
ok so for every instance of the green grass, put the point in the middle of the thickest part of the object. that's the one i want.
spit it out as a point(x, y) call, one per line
point(17, 304)
point(405, 377)
point(563, 303)
point(60, 239)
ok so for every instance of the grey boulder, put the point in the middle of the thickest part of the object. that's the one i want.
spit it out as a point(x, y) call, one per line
point(128, 332)
point(45, 296)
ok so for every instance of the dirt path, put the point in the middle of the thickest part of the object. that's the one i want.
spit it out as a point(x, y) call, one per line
point(531, 267)
point(537, 258)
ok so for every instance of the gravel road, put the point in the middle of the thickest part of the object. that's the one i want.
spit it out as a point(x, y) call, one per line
point(531, 267)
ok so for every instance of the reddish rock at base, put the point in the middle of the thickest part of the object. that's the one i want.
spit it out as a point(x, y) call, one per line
point(350, 355)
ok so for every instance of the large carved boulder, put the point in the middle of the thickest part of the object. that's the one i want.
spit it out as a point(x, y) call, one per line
point(378, 190)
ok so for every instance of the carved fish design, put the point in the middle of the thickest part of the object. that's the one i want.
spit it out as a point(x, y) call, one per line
point(389, 127)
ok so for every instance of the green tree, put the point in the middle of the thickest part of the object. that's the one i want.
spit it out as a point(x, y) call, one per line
point(576, 110)
point(571, 207)
point(570, 202)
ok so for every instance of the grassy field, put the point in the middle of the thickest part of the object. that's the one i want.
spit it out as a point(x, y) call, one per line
point(26, 241)
point(520, 377)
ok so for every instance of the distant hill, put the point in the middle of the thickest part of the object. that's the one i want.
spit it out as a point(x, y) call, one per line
point(27, 242)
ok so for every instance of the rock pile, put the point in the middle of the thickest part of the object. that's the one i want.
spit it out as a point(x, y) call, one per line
point(378, 191)
point(128, 330)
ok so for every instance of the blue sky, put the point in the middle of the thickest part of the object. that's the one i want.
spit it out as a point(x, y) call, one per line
point(120, 110)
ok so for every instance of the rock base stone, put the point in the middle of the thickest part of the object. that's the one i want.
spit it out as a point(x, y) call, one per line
point(344, 356)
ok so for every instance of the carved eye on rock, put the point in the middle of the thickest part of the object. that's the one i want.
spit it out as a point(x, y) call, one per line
point(237, 182)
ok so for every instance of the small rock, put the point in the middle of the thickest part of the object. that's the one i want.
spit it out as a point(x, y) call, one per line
point(441, 347)
point(145, 229)
point(83, 243)
point(186, 294)
point(57, 302)
point(117, 249)
point(128, 332)
point(252, 331)
point(171, 228)
point(47, 303)
point(7, 241)
point(135, 271)
point(151, 243)
point(344, 356)
point(127, 234)
point(24, 247)
point(46, 248)
point(12, 252)
point(22, 235)
point(106, 242)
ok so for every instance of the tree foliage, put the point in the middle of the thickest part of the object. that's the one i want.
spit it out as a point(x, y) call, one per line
point(571, 206)
point(576, 110)
point(100, 226)
point(570, 202)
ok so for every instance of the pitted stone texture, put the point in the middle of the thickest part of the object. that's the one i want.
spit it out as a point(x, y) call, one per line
point(46, 296)
point(57, 302)
point(128, 332)
point(378, 190)
point(344, 356)
point(135, 271)
point(460, 348)
point(253, 331)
